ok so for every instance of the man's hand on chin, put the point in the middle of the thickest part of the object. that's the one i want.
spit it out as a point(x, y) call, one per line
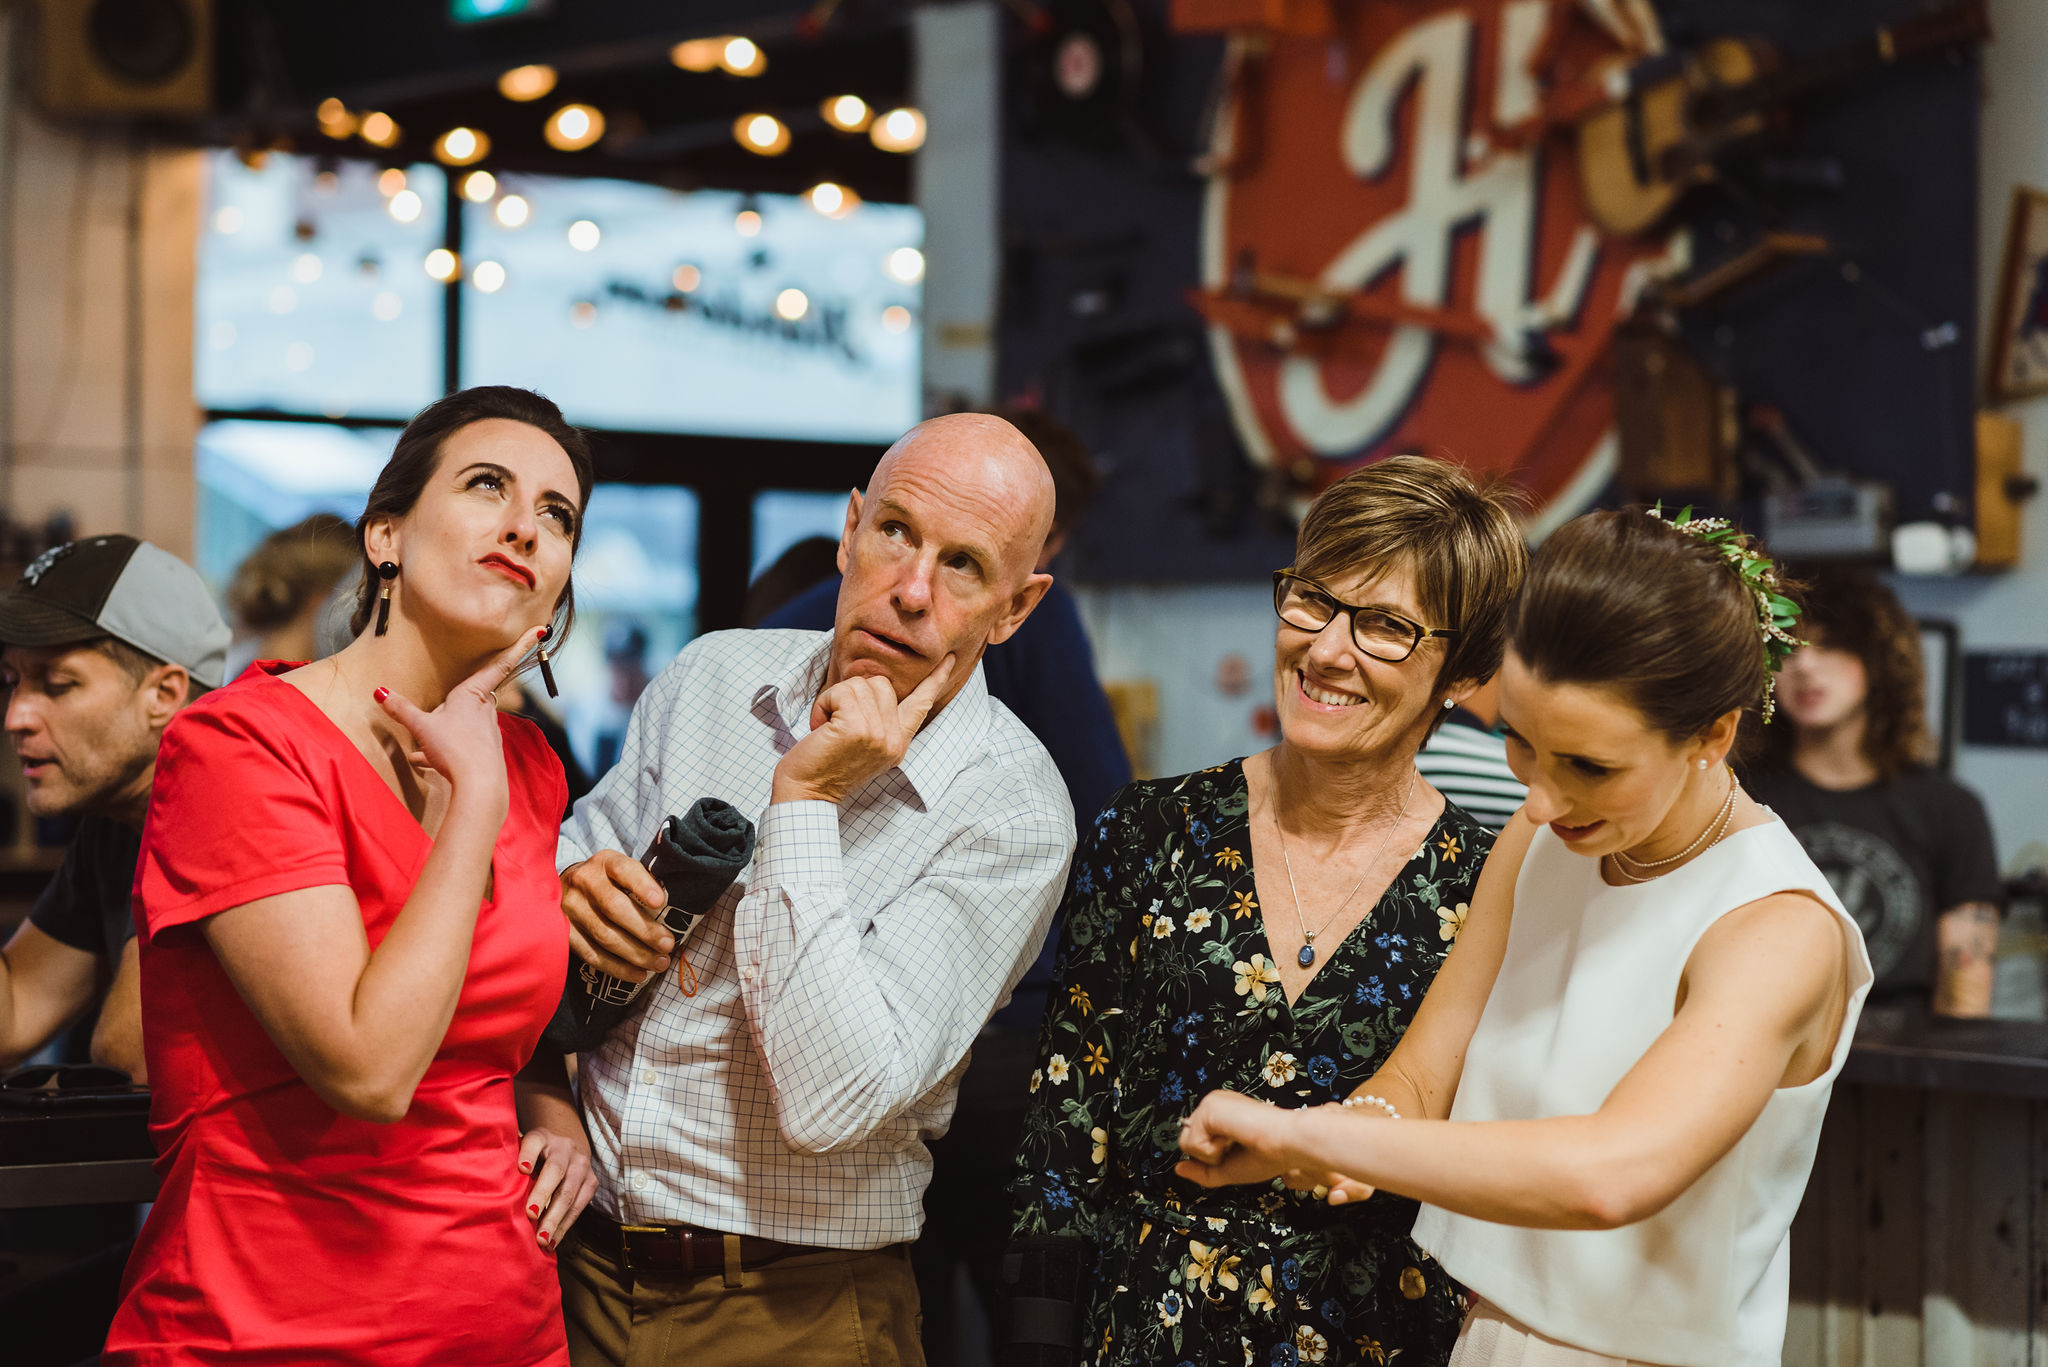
point(858, 730)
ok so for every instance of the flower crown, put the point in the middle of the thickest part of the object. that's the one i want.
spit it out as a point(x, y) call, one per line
point(1775, 613)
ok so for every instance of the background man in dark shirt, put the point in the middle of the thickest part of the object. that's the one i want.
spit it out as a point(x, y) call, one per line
point(1907, 849)
point(105, 639)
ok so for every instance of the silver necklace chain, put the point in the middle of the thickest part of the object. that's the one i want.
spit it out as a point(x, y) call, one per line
point(1708, 838)
point(1307, 957)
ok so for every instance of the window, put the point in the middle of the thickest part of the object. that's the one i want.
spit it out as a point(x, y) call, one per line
point(313, 293)
point(641, 308)
point(783, 517)
point(255, 477)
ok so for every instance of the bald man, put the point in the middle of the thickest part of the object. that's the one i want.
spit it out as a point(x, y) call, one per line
point(758, 1128)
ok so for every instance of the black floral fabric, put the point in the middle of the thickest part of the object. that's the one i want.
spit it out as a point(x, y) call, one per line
point(1166, 991)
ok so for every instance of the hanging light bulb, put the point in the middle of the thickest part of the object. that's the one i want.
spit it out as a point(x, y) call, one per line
point(513, 211)
point(573, 127)
point(405, 206)
point(747, 223)
point(895, 318)
point(686, 278)
point(442, 264)
point(743, 57)
point(390, 181)
point(899, 130)
point(831, 200)
point(380, 130)
point(847, 113)
point(524, 83)
point(584, 235)
point(335, 120)
point(479, 186)
point(791, 305)
point(488, 277)
point(763, 134)
point(462, 146)
point(698, 54)
point(905, 265)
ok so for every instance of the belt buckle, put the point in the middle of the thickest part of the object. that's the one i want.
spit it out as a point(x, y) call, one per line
point(668, 1234)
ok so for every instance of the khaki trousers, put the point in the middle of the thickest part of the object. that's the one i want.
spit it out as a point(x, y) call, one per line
point(824, 1309)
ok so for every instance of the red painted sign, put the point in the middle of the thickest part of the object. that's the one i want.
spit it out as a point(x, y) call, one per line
point(1396, 255)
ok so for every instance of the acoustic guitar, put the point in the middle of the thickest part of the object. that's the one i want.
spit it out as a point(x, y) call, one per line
point(1673, 121)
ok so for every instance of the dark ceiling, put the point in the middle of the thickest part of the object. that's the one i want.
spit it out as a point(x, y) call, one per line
point(278, 59)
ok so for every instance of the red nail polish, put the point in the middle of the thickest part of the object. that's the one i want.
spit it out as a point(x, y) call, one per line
point(381, 694)
point(526, 1167)
point(544, 1237)
point(533, 1210)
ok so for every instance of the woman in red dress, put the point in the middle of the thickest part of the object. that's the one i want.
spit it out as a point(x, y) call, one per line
point(351, 939)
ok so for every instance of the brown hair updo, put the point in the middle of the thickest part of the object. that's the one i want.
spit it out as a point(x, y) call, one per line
point(290, 568)
point(1622, 600)
point(1458, 537)
point(418, 454)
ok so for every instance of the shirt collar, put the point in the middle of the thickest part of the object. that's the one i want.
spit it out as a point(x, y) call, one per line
point(948, 743)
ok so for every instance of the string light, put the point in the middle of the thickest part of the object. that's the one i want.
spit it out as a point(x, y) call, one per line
point(698, 54)
point(461, 146)
point(405, 206)
point(386, 306)
point(847, 113)
point(525, 83)
point(442, 264)
point(479, 186)
point(896, 318)
point(743, 57)
point(380, 130)
point(584, 235)
point(582, 313)
point(899, 130)
point(390, 181)
point(307, 268)
point(905, 265)
point(573, 127)
point(686, 278)
point(335, 120)
point(513, 211)
point(763, 134)
point(488, 277)
point(746, 223)
point(791, 305)
point(227, 219)
point(833, 201)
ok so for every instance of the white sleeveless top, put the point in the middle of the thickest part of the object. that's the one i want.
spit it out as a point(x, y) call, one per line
point(1587, 983)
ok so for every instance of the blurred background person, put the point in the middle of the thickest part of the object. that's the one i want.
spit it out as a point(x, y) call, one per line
point(276, 596)
point(597, 721)
point(1907, 848)
point(1045, 674)
point(105, 640)
point(810, 561)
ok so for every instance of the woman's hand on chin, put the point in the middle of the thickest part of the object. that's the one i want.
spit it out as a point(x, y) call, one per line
point(460, 738)
point(563, 1182)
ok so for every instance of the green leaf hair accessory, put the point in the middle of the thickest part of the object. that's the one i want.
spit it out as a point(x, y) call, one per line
point(1776, 614)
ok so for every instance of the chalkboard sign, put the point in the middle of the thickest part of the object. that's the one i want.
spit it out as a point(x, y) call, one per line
point(2005, 699)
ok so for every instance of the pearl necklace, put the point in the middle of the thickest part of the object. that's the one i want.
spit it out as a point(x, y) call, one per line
point(1717, 828)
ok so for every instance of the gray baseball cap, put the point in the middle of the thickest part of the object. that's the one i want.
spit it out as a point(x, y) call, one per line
point(118, 586)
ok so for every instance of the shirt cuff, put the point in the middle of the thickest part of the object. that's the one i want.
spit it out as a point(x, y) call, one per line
point(798, 847)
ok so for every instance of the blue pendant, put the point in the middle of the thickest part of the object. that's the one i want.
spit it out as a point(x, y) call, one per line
point(1307, 956)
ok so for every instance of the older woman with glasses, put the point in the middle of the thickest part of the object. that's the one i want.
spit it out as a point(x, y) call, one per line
point(1269, 925)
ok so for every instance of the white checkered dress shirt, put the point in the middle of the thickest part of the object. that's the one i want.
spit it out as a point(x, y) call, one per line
point(842, 978)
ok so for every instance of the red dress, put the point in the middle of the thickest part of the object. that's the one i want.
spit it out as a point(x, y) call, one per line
point(285, 1232)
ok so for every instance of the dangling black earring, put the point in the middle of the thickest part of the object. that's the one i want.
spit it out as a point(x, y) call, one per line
point(386, 572)
point(547, 675)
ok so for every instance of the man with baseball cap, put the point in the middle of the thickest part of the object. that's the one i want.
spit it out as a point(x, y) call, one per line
point(101, 642)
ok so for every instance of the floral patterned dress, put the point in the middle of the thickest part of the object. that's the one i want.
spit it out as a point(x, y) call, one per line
point(1166, 991)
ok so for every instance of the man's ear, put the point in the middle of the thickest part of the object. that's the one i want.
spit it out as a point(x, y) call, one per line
point(165, 689)
point(1022, 602)
point(852, 525)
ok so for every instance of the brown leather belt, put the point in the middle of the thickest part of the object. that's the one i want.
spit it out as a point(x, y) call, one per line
point(674, 1248)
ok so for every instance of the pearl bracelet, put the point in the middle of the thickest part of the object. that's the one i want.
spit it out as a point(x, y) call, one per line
point(1368, 1099)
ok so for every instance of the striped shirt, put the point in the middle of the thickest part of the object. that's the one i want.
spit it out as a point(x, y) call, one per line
point(843, 976)
point(1468, 764)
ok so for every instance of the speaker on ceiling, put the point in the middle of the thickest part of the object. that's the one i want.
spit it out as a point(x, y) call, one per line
point(116, 57)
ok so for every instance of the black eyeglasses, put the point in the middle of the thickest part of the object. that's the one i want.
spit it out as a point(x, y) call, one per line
point(1306, 605)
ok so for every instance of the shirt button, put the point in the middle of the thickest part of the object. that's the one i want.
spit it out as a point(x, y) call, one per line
point(639, 1181)
point(649, 1076)
point(747, 976)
